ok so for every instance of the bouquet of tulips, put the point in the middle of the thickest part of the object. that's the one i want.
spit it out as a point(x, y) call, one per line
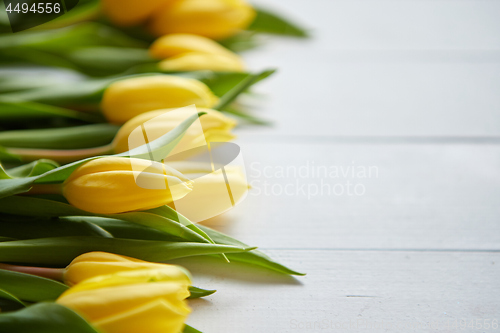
point(116, 122)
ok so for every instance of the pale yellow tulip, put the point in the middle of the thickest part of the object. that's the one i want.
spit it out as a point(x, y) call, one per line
point(145, 300)
point(197, 61)
point(214, 127)
point(128, 98)
point(211, 195)
point(177, 44)
point(93, 264)
point(216, 19)
point(113, 185)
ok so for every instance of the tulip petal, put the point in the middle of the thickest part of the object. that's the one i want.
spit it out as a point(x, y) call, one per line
point(176, 44)
point(155, 273)
point(197, 61)
point(159, 316)
point(113, 185)
point(128, 98)
point(100, 303)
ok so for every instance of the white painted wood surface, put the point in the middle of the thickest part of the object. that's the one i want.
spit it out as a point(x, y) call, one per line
point(410, 87)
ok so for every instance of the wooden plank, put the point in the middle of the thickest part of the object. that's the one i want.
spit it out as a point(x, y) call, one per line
point(311, 96)
point(397, 24)
point(419, 196)
point(404, 291)
point(412, 67)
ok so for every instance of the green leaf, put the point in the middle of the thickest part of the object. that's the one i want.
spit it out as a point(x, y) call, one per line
point(3, 173)
point(32, 169)
point(8, 296)
point(9, 187)
point(160, 148)
point(38, 207)
point(124, 229)
point(4, 19)
point(189, 329)
point(243, 41)
point(29, 287)
point(198, 292)
point(8, 156)
point(16, 205)
point(271, 23)
point(84, 11)
point(163, 224)
point(171, 214)
point(21, 110)
point(22, 227)
point(69, 38)
point(60, 251)
point(77, 137)
point(84, 92)
point(18, 79)
point(222, 83)
point(241, 87)
point(253, 257)
point(44, 318)
point(104, 61)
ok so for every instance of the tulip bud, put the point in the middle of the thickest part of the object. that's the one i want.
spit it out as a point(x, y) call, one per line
point(177, 44)
point(196, 61)
point(131, 12)
point(215, 127)
point(216, 19)
point(92, 264)
point(213, 192)
point(128, 98)
point(187, 52)
point(144, 300)
point(109, 185)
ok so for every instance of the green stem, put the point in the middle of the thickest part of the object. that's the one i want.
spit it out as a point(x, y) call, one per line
point(49, 273)
point(45, 189)
point(60, 155)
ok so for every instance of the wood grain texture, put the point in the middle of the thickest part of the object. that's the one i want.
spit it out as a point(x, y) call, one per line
point(411, 88)
point(404, 291)
point(382, 68)
point(418, 196)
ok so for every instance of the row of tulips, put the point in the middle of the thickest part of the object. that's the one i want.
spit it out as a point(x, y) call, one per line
point(113, 170)
point(122, 294)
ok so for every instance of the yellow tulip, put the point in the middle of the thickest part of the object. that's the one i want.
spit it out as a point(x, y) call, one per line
point(197, 61)
point(128, 98)
point(131, 12)
point(215, 127)
point(109, 185)
point(216, 19)
point(188, 52)
point(211, 196)
point(177, 44)
point(92, 264)
point(144, 300)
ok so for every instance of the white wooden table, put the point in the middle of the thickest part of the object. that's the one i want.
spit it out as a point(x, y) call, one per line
point(410, 89)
